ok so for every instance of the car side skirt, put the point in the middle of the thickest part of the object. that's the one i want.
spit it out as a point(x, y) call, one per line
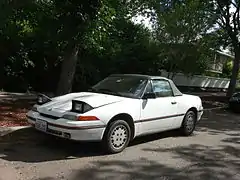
point(162, 117)
point(158, 118)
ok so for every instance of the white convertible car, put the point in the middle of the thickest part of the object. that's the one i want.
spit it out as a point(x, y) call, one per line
point(118, 109)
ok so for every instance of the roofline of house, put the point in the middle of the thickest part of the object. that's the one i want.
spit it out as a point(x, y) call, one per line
point(225, 54)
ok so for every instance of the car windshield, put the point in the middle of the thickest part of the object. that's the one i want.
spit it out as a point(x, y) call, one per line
point(128, 86)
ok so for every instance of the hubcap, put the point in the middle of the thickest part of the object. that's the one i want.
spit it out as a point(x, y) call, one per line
point(119, 136)
point(190, 122)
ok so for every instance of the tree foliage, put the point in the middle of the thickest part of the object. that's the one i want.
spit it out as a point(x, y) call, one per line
point(50, 45)
point(181, 29)
point(227, 13)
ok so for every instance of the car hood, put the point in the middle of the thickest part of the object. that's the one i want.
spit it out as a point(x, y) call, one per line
point(59, 105)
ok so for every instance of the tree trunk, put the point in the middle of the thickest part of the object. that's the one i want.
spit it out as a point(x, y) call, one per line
point(235, 69)
point(170, 70)
point(168, 76)
point(68, 70)
point(173, 75)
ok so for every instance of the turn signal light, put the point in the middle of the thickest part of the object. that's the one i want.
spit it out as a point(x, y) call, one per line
point(87, 118)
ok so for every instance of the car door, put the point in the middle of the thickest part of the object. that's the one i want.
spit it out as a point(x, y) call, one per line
point(158, 114)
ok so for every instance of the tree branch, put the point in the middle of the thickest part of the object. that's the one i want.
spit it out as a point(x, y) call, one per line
point(227, 16)
point(234, 4)
point(221, 24)
point(235, 20)
point(238, 16)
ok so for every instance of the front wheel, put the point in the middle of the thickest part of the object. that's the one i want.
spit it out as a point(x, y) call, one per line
point(189, 123)
point(117, 136)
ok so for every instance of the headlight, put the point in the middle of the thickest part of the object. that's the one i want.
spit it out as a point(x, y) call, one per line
point(80, 118)
point(70, 117)
point(42, 99)
point(77, 107)
point(80, 107)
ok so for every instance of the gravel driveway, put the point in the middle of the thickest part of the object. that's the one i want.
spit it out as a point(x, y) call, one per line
point(213, 152)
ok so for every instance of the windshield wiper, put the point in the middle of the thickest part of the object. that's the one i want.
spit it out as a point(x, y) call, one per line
point(92, 89)
point(109, 90)
point(104, 90)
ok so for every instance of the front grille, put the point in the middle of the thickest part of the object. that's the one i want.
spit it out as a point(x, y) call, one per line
point(49, 116)
point(59, 133)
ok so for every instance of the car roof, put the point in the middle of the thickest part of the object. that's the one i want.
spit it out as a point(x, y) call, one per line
point(139, 75)
point(174, 88)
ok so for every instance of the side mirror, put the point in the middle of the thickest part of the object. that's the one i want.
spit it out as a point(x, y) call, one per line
point(149, 96)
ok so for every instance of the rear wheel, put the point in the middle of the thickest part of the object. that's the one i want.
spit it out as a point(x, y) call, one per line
point(189, 123)
point(117, 136)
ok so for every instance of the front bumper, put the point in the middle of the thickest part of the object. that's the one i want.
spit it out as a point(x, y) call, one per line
point(74, 130)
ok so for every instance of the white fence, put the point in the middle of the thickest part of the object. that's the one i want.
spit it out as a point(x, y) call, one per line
point(198, 81)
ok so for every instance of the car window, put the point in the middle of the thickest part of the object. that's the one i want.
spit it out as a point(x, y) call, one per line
point(162, 88)
point(128, 86)
point(149, 88)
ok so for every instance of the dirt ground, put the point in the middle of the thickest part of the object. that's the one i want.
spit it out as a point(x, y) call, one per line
point(13, 112)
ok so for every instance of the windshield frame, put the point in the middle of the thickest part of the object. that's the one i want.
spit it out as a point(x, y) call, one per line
point(139, 96)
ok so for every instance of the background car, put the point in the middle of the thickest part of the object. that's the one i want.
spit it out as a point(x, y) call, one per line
point(234, 102)
point(118, 109)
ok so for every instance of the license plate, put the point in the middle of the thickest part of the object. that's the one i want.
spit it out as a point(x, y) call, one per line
point(41, 125)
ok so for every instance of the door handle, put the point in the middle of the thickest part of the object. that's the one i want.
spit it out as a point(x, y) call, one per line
point(174, 102)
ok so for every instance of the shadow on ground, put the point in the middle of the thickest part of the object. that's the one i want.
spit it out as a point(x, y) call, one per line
point(29, 145)
point(207, 162)
point(220, 121)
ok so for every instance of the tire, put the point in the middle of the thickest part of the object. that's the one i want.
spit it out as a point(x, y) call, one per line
point(189, 123)
point(116, 137)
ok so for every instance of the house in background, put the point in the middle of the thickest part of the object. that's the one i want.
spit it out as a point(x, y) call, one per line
point(212, 82)
point(220, 58)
